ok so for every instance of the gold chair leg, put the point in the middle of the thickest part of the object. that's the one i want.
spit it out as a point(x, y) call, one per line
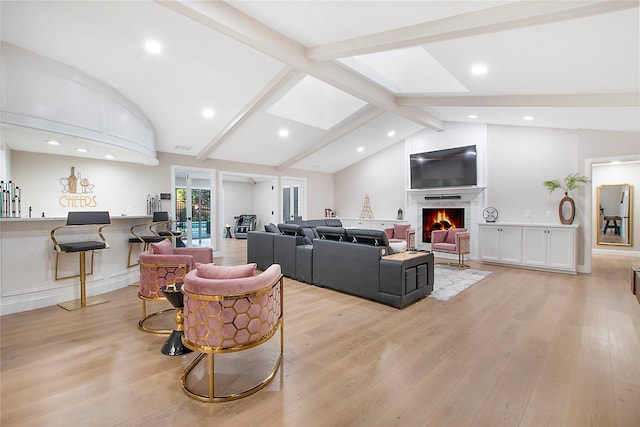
point(129, 256)
point(461, 264)
point(83, 301)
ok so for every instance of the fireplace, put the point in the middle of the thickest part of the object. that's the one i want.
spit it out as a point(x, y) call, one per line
point(440, 218)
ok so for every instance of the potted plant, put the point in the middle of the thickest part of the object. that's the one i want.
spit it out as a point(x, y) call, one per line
point(567, 208)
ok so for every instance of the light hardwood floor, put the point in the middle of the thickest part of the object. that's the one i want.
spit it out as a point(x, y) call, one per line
point(520, 348)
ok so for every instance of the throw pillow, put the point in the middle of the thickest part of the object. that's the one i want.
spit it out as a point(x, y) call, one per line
point(212, 271)
point(451, 234)
point(271, 228)
point(162, 248)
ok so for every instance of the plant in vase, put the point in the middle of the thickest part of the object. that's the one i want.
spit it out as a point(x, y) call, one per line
point(567, 208)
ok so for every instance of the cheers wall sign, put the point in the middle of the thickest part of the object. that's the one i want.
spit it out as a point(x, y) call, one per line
point(77, 192)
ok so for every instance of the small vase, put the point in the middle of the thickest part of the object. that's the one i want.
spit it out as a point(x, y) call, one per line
point(567, 210)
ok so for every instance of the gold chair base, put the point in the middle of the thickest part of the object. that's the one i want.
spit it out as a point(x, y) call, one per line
point(211, 397)
point(77, 304)
point(142, 327)
point(460, 264)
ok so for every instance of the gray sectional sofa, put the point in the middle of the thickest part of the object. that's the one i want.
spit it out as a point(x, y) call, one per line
point(350, 260)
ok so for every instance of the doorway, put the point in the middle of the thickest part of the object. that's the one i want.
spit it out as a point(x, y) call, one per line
point(193, 208)
point(293, 197)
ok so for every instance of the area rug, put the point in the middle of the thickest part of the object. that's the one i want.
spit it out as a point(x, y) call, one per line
point(449, 281)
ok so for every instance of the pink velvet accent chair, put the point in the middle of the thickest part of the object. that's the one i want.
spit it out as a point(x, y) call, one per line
point(230, 309)
point(163, 265)
point(452, 241)
point(402, 233)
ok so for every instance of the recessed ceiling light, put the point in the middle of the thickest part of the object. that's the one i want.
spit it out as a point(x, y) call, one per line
point(153, 46)
point(81, 150)
point(52, 142)
point(391, 133)
point(360, 149)
point(109, 156)
point(208, 113)
point(473, 116)
point(283, 133)
point(528, 118)
point(479, 69)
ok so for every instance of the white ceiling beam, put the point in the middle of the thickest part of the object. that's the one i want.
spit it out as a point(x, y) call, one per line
point(347, 126)
point(499, 18)
point(285, 77)
point(224, 18)
point(575, 100)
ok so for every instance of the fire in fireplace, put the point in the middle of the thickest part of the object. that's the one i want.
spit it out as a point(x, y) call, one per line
point(440, 219)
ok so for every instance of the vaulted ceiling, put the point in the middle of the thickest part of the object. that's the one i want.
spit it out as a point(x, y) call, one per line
point(346, 79)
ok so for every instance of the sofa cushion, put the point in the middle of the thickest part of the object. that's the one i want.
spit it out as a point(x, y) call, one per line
point(367, 236)
point(400, 231)
point(212, 271)
point(313, 223)
point(331, 233)
point(333, 222)
point(162, 248)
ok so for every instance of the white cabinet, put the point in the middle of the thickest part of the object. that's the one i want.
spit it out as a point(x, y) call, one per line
point(370, 224)
point(500, 243)
point(536, 246)
point(360, 223)
point(549, 247)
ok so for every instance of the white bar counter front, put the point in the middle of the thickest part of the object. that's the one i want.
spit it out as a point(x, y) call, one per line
point(27, 263)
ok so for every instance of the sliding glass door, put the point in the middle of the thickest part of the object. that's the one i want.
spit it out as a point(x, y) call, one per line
point(192, 189)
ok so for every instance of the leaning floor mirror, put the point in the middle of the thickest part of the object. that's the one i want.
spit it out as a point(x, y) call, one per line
point(614, 221)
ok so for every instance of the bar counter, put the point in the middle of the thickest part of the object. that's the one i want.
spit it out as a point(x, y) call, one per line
point(27, 263)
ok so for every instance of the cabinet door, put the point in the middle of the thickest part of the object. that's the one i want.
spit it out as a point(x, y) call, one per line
point(561, 248)
point(511, 244)
point(381, 225)
point(489, 243)
point(534, 246)
point(361, 223)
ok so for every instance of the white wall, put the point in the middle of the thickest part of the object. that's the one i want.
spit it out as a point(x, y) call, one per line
point(381, 176)
point(122, 188)
point(238, 200)
point(519, 160)
point(516, 162)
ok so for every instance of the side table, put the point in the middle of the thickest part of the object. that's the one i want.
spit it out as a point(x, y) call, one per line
point(173, 345)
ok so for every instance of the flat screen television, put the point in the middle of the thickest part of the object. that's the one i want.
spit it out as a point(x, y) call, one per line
point(453, 167)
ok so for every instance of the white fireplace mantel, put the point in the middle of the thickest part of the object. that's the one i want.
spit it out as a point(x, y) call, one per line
point(470, 198)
